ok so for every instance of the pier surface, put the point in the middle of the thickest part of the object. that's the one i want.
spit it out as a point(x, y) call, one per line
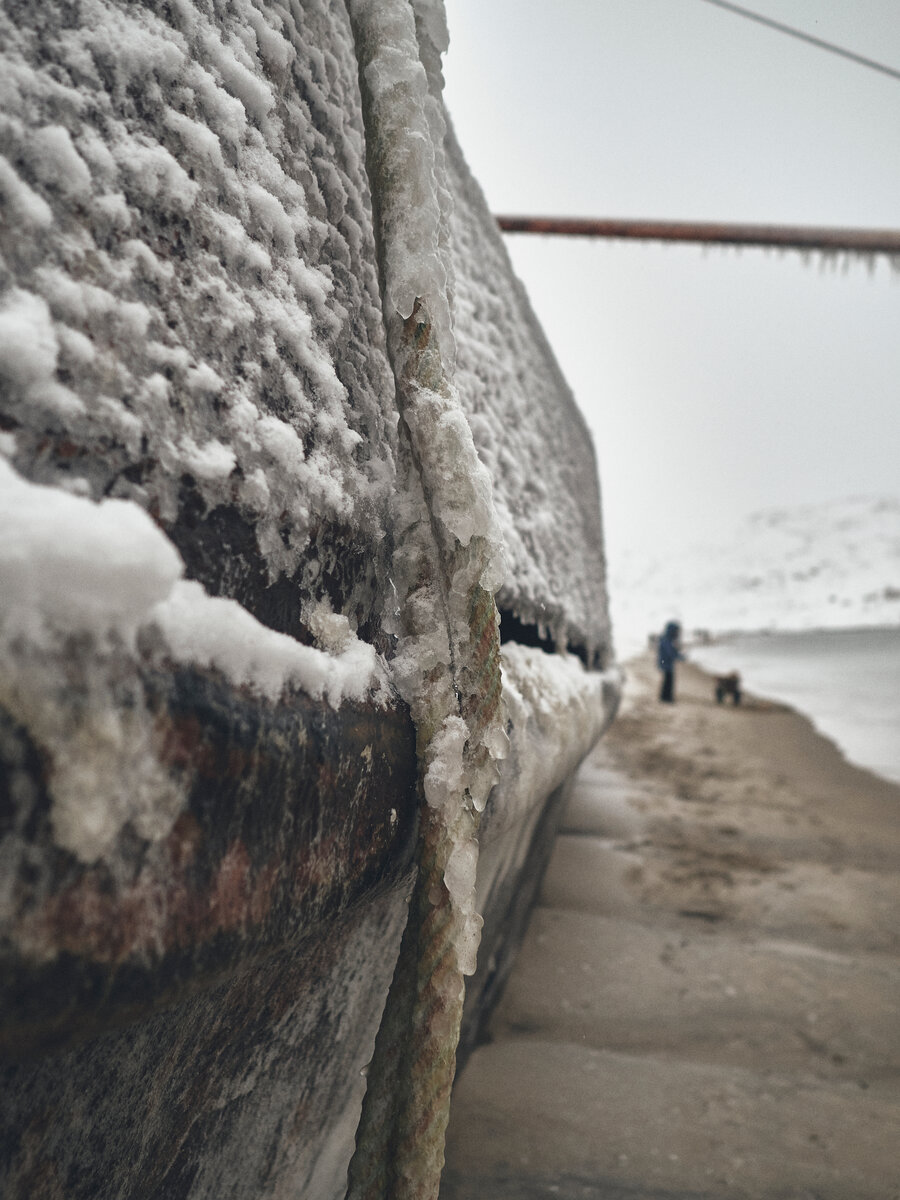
point(706, 1003)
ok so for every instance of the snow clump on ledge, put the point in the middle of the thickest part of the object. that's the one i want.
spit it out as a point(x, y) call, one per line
point(69, 565)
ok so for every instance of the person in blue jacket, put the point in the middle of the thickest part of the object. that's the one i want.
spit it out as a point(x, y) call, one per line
point(667, 655)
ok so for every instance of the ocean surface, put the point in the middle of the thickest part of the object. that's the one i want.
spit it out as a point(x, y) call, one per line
point(846, 681)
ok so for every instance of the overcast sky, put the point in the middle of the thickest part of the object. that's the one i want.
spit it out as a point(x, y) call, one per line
point(716, 382)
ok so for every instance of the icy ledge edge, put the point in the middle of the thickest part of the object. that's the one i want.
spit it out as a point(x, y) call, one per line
point(69, 566)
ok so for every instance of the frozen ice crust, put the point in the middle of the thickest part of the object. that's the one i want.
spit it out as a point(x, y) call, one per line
point(530, 435)
point(190, 313)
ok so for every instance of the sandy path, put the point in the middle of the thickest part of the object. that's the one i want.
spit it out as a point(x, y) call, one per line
point(707, 1003)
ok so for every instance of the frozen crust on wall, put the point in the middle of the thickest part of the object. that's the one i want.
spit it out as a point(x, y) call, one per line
point(191, 325)
point(528, 432)
point(190, 337)
point(199, 416)
point(189, 303)
point(190, 312)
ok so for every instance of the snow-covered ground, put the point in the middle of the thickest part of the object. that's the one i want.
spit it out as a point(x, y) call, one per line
point(823, 566)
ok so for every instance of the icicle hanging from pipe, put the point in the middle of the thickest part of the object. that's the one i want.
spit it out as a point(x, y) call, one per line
point(805, 238)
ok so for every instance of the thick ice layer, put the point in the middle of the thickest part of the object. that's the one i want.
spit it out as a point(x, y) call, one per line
point(528, 432)
point(408, 119)
point(196, 293)
point(459, 546)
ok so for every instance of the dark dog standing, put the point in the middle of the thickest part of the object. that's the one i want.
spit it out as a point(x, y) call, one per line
point(728, 685)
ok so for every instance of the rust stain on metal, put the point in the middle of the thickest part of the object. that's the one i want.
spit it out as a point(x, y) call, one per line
point(158, 912)
point(291, 814)
point(229, 897)
point(167, 909)
point(183, 843)
point(183, 743)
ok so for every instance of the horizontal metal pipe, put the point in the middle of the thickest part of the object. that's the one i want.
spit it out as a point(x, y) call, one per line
point(792, 237)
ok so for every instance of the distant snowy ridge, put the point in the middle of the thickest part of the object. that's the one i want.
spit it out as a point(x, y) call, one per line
point(822, 566)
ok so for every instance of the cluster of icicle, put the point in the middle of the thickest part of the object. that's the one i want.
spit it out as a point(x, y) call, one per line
point(449, 565)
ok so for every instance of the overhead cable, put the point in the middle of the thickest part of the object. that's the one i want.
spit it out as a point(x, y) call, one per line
point(805, 37)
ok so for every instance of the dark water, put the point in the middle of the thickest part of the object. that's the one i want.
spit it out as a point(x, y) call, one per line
point(846, 681)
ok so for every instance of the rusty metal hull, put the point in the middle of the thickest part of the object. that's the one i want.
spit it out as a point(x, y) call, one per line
point(196, 1022)
point(293, 814)
point(248, 1087)
point(202, 1027)
point(205, 877)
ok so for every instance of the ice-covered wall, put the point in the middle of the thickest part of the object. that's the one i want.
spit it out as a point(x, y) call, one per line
point(529, 433)
point(191, 314)
point(276, 424)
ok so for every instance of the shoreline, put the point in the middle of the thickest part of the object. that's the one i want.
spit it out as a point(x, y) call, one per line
point(635, 647)
point(775, 741)
point(705, 1001)
point(771, 631)
point(812, 679)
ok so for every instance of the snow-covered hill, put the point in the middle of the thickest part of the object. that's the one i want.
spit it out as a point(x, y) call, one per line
point(833, 565)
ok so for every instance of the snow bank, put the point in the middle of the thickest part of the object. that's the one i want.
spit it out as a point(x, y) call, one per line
point(824, 566)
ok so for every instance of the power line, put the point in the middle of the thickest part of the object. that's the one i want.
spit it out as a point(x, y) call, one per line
point(785, 237)
point(805, 37)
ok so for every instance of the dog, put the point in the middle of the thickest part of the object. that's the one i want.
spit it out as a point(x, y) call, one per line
point(728, 685)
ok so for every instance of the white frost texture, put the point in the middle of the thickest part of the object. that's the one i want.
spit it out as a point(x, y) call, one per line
point(275, 413)
point(196, 293)
point(558, 710)
point(191, 310)
point(528, 432)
